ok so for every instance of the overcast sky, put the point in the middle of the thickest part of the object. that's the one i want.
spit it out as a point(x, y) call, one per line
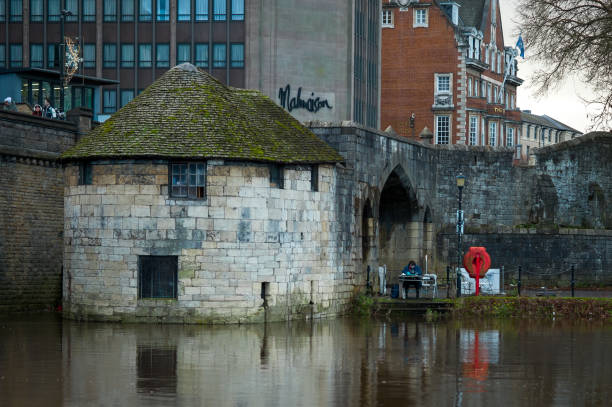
point(563, 104)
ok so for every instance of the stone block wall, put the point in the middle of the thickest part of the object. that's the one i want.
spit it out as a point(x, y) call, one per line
point(545, 256)
point(31, 208)
point(243, 234)
point(579, 174)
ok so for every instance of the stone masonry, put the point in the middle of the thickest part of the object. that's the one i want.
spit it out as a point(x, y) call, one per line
point(244, 234)
point(31, 202)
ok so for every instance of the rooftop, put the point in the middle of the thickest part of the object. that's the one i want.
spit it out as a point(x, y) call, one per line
point(188, 114)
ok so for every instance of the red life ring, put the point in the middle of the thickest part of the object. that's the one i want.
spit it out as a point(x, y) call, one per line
point(477, 257)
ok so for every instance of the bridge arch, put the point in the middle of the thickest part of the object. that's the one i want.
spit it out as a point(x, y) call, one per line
point(403, 234)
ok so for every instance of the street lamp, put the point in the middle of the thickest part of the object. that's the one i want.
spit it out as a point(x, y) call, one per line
point(460, 185)
point(62, 55)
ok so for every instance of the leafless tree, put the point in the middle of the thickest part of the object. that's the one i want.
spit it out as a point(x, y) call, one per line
point(572, 37)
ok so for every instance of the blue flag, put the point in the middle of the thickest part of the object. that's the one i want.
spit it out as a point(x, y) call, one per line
point(521, 46)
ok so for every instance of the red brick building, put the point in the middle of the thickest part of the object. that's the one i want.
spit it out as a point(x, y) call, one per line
point(444, 63)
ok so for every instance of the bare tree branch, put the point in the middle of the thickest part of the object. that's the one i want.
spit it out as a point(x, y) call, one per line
point(572, 36)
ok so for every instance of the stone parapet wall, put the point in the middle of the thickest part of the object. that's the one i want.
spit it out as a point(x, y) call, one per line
point(579, 172)
point(31, 202)
point(243, 234)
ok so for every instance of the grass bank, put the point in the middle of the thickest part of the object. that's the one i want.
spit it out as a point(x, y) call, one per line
point(593, 309)
point(573, 309)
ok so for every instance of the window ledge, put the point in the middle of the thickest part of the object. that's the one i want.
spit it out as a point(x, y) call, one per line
point(155, 302)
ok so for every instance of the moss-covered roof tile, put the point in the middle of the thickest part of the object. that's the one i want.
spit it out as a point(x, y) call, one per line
point(188, 114)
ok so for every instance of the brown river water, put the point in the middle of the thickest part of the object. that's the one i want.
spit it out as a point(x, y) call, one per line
point(45, 361)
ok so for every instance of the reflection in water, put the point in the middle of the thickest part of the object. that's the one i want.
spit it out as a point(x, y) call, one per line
point(46, 361)
point(156, 369)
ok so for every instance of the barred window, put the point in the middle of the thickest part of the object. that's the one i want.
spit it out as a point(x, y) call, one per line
point(510, 137)
point(157, 276)
point(188, 180)
point(442, 129)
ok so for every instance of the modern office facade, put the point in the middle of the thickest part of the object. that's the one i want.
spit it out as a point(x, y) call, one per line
point(318, 59)
point(130, 41)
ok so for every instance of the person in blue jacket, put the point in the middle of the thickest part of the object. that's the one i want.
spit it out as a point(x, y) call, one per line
point(411, 270)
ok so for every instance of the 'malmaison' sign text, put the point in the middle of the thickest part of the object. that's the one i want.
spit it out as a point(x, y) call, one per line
point(312, 104)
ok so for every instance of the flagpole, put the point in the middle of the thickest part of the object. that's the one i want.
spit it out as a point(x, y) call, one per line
point(519, 47)
point(503, 87)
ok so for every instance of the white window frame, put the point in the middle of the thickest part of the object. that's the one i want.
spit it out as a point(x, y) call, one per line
point(509, 136)
point(443, 138)
point(483, 136)
point(417, 20)
point(473, 130)
point(492, 133)
point(387, 18)
point(476, 85)
point(446, 76)
point(470, 81)
point(488, 92)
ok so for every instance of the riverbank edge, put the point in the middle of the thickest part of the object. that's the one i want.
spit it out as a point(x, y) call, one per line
point(586, 309)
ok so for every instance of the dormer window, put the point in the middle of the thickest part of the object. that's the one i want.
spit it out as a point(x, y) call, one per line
point(387, 18)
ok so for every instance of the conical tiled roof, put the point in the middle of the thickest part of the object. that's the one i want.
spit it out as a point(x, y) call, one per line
point(187, 113)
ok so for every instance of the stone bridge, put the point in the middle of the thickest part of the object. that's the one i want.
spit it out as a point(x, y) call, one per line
point(398, 200)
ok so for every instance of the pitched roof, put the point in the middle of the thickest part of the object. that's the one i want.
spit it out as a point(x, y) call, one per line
point(471, 12)
point(560, 125)
point(187, 113)
point(546, 121)
point(535, 119)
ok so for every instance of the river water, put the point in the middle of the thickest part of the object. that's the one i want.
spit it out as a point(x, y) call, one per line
point(45, 361)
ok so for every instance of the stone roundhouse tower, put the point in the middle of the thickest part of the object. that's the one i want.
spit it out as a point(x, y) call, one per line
point(201, 203)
